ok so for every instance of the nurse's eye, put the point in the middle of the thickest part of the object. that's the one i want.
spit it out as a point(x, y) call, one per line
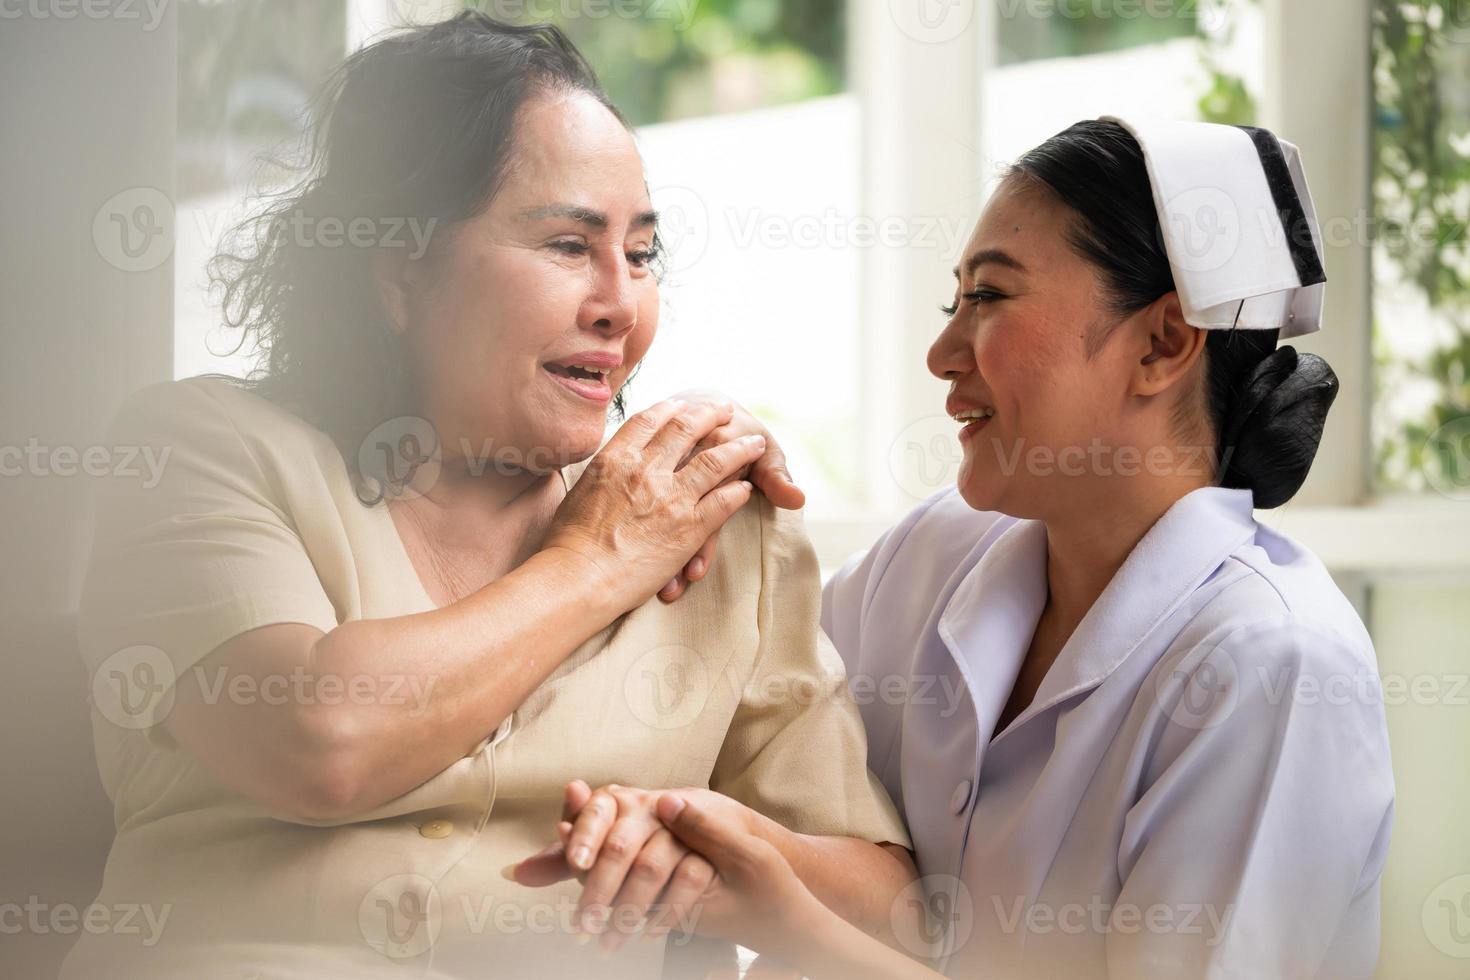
point(978, 296)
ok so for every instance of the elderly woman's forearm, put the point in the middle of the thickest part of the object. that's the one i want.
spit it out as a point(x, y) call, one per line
point(476, 660)
point(416, 692)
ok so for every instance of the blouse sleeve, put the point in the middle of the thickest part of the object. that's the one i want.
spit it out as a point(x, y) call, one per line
point(192, 555)
point(795, 749)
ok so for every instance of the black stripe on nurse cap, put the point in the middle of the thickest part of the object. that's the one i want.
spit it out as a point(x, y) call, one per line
point(1294, 224)
point(1238, 225)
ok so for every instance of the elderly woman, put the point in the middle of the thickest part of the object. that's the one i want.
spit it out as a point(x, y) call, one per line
point(380, 609)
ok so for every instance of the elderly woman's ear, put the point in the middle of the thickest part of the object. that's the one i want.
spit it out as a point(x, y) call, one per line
point(394, 276)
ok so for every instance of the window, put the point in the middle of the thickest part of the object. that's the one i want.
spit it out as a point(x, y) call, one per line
point(752, 146)
point(1421, 418)
point(246, 69)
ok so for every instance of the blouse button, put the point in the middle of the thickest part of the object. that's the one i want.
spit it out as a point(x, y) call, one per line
point(961, 797)
point(436, 829)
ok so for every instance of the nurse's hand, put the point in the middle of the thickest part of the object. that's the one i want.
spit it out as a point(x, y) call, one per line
point(648, 501)
point(629, 864)
point(769, 474)
point(757, 900)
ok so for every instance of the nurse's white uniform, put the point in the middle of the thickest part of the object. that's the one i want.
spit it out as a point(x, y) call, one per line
point(1202, 784)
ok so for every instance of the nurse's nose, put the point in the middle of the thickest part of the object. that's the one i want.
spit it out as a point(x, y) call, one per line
point(951, 356)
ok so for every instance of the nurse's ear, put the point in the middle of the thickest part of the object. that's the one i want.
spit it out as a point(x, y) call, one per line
point(1168, 349)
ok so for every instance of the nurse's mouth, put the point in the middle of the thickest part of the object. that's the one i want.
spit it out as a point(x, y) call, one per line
point(973, 420)
point(585, 377)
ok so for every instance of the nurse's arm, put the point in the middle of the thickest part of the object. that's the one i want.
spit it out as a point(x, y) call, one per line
point(761, 902)
point(1257, 842)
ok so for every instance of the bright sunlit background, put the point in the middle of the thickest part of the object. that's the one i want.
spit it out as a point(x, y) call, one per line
point(818, 165)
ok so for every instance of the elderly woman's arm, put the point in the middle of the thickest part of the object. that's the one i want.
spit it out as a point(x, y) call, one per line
point(416, 693)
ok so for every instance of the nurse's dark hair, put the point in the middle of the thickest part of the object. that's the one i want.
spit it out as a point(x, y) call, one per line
point(1267, 405)
point(411, 135)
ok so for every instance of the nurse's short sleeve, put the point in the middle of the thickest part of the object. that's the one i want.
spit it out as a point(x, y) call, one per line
point(795, 749)
point(192, 552)
point(1265, 812)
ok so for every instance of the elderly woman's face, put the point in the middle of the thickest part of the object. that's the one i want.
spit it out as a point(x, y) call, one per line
point(538, 309)
point(1016, 352)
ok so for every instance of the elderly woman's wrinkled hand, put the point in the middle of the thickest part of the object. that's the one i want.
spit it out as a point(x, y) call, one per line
point(639, 513)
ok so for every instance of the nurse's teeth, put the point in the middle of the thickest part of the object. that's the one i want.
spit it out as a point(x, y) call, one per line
point(974, 414)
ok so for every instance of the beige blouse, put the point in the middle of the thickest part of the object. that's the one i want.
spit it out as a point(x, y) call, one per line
point(255, 521)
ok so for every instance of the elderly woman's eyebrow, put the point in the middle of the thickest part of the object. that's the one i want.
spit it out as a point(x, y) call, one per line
point(584, 215)
point(993, 256)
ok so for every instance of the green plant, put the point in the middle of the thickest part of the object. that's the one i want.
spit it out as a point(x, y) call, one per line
point(719, 56)
point(1421, 72)
point(1226, 99)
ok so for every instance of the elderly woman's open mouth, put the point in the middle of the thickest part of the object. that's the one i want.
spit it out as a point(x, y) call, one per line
point(586, 374)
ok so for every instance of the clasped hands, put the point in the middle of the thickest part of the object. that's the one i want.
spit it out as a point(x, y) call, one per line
point(659, 861)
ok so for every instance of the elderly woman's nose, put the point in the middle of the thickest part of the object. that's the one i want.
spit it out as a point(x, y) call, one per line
point(612, 304)
point(951, 355)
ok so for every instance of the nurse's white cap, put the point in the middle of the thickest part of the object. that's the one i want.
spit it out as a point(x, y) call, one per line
point(1238, 225)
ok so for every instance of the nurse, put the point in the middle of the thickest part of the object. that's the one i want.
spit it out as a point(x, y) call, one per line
point(1169, 760)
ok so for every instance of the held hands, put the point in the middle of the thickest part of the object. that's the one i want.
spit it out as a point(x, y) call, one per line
point(629, 864)
point(757, 900)
point(635, 852)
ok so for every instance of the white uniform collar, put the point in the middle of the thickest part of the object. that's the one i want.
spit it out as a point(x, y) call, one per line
point(989, 621)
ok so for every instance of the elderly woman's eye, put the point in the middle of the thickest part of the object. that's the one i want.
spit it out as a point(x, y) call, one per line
point(640, 257)
point(571, 246)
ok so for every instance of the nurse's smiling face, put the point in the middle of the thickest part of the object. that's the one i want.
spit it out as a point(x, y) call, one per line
point(1030, 396)
point(526, 321)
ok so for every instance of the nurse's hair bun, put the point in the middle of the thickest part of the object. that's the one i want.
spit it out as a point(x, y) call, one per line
point(1271, 422)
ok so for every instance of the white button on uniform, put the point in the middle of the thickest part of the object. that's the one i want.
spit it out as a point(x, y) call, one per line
point(961, 797)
